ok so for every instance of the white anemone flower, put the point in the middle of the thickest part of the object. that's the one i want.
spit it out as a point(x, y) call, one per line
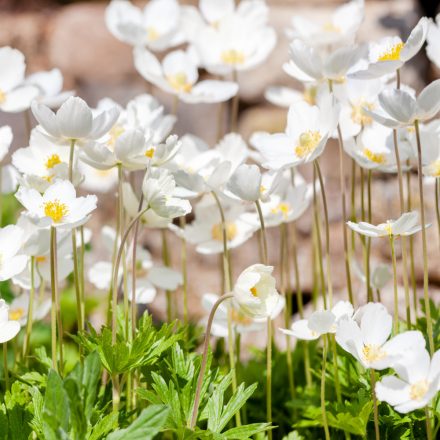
point(307, 64)
point(380, 274)
point(241, 322)
point(101, 181)
point(433, 41)
point(391, 53)
point(398, 108)
point(12, 260)
point(19, 307)
point(15, 96)
point(178, 75)
point(50, 87)
point(8, 327)
point(157, 26)
point(58, 207)
point(225, 47)
point(365, 337)
point(320, 322)
point(74, 121)
point(307, 131)
point(206, 231)
point(417, 384)
point(406, 224)
point(255, 291)
point(339, 29)
point(6, 137)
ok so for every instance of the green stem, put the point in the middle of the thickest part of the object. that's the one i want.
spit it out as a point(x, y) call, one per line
point(30, 319)
point(54, 288)
point(166, 262)
point(429, 435)
point(184, 261)
point(269, 376)
point(396, 299)
point(368, 242)
point(375, 407)
point(437, 207)
point(425, 250)
point(323, 406)
point(5, 365)
point(262, 231)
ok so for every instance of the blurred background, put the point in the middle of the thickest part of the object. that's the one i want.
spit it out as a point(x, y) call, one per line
point(72, 36)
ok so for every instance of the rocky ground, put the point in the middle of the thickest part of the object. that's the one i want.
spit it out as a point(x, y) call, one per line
point(75, 39)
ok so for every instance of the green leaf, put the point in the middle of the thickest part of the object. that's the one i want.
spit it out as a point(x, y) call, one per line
point(104, 426)
point(246, 431)
point(145, 427)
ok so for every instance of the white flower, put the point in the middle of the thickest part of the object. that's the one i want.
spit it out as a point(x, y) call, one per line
point(433, 41)
point(242, 323)
point(339, 29)
point(12, 261)
point(58, 206)
point(102, 181)
point(10, 179)
point(366, 338)
point(391, 53)
point(308, 64)
point(417, 384)
point(307, 131)
point(8, 328)
point(399, 108)
point(255, 291)
point(157, 26)
point(245, 183)
point(320, 322)
point(178, 75)
point(74, 121)
point(206, 231)
point(5, 140)
point(14, 95)
point(50, 86)
point(158, 188)
point(406, 224)
point(19, 307)
point(380, 274)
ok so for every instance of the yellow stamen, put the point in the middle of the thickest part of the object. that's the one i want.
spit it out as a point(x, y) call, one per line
point(392, 53)
point(418, 390)
point(359, 116)
point(55, 210)
point(379, 158)
point(179, 82)
point(217, 231)
point(373, 353)
point(150, 153)
point(2, 96)
point(389, 228)
point(232, 57)
point(433, 169)
point(254, 291)
point(283, 207)
point(40, 259)
point(16, 314)
point(152, 34)
point(330, 27)
point(308, 141)
point(52, 161)
point(309, 95)
point(48, 178)
point(240, 318)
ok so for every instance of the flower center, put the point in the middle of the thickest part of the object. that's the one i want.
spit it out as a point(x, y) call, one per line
point(217, 231)
point(16, 314)
point(152, 34)
point(254, 291)
point(40, 259)
point(55, 210)
point(240, 318)
point(308, 141)
point(179, 82)
point(392, 53)
point(2, 96)
point(433, 169)
point(52, 161)
point(283, 208)
point(232, 57)
point(150, 153)
point(389, 228)
point(378, 158)
point(373, 353)
point(309, 95)
point(330, 27)
point(359, 116)
point(418, 390)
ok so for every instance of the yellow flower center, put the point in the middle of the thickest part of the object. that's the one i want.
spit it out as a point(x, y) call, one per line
point(179, 82)
point(378, 158)
point(217, 231)
point(152, 34)
point(52, 161)
point(359, 116)
point(150, 153)
point(389, 228)
point(232, 57)
point(48, 178)
point(373, 353)
point(2, 96)
point(240, 318)
point(308, 141)
point(309, 95)
point(282, 207)
point(392, 53)
point(254, 291)
point(433, 169)
point(16, 314)
point(55, 210)
point(330, 27)
point(40, 259)
point(418, 390)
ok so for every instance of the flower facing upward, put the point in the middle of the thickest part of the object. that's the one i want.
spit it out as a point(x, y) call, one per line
point(255, 291)
point(8, 328)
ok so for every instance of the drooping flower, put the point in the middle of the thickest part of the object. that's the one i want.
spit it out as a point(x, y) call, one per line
point(320, 322)
point(9, 328)
point(178, 75)
point(406, 224)
point(58, 207)
point(15, 96)
point(433, 41)
point(12, 260)
point(255, 291)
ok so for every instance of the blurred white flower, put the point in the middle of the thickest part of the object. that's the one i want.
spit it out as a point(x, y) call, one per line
point(380, 274)
point(433, 41)
point(19, 307)
point(6, 137)
point(12, 260)
point(95, 180)
point(9, 328)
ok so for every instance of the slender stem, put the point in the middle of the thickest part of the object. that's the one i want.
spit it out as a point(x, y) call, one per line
point(1, 195)
point(192, 422)
point(183, 257)
point(234, 105)
point(396, 299)
point(437, 207)
point(323, 406)
point(27, 123)
point(353, 201)
point(428, 424)
point(81, 271)
point(77, 281)
point(53, 312)
point(30, 319)
point(375, 407)
point(425, 250)
point(166, 262)
point(220, 121)
point(398, 79)
point(263, 231)
point(5, 365)
point(175, 105)
point(269, 376)
point(368, 242)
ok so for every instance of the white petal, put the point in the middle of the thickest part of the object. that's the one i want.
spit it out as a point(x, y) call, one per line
point(75, 118)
